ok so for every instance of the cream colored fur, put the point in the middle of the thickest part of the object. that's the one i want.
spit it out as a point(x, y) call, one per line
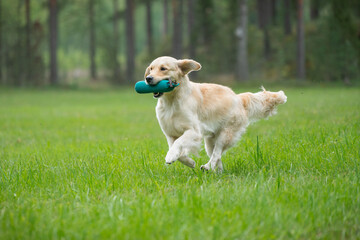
point(193, 112)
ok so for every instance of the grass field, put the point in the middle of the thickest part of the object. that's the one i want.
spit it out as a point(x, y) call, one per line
point(78, 164)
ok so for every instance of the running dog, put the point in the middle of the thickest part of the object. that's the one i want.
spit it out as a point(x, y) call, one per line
point(196, 111)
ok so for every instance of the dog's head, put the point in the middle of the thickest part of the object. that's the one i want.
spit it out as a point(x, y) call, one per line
point(169, 68)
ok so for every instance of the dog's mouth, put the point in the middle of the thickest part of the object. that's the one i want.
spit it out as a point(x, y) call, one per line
point(171, 81)
point(158, 94)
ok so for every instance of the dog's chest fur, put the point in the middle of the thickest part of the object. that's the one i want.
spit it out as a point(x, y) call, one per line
point(174, 119)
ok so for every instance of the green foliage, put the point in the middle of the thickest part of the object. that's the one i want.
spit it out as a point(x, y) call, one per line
point(332, 40)
point(20, 69)
point(333, 56)
point(215, 36)
point(90, 165)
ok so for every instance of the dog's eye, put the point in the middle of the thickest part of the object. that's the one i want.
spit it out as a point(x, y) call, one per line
point(162, 69)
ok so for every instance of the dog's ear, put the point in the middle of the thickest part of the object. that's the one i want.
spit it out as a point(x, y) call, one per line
point(188, 65)
point(147, 71)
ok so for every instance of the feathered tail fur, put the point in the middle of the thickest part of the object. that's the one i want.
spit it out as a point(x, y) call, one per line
point(261, 104)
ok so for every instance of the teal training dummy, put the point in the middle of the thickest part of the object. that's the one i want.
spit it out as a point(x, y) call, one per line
point(160, 87)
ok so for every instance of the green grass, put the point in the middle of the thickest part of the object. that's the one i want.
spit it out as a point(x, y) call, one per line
point(90, 165)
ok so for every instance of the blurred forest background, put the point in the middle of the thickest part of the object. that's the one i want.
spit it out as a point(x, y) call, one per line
point(84, 42)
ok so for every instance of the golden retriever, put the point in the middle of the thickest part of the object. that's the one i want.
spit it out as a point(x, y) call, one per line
point(196, 111)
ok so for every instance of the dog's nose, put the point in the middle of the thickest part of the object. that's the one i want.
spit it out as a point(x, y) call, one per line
point(149, 79)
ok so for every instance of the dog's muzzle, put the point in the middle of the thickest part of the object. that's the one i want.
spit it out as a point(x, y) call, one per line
point(149, 80)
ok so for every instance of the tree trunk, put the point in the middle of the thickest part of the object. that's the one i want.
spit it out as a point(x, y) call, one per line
point(149, 27)
point(273, 11)
point(264, 17)
point(130, 41)
point(166, 19)
point(268, 19)
point(314, 9)
point(28, 44)
point(177, 28)
point(260, 13)
point(267, 47)
point(2, 81)
point(206, 16)
point(287, 17)
point(300, 56)
point(191, 32)
point(92, 37)
point(116, 73)
point(19, 60)
point(53, 32)
point(230, 62)
point(4, 55)
point(241, 33)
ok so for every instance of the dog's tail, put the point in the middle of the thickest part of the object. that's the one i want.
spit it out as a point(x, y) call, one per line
point(262, 104)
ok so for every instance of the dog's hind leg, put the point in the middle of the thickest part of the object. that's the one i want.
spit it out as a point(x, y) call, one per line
point(219, 165)
point(209, 145)
point(222, 142)
point(215, 159)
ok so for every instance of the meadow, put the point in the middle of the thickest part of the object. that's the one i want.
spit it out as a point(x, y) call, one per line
point(86, 164)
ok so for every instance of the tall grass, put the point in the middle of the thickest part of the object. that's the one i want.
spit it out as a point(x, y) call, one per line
point(90, 165)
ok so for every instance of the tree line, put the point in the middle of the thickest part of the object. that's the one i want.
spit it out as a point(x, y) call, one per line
point(49, 41)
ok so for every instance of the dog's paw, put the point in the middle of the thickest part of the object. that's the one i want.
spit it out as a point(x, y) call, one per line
point(169, 159)
point(172, 156)
point(205, 167)
point(168, 162)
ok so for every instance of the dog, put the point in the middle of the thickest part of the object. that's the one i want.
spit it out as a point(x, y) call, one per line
point(196, 111)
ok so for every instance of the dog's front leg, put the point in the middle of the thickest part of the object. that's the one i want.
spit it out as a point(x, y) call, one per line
point(189, 142)
point(170, 140)
point(184, 159)
point(187, 161)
